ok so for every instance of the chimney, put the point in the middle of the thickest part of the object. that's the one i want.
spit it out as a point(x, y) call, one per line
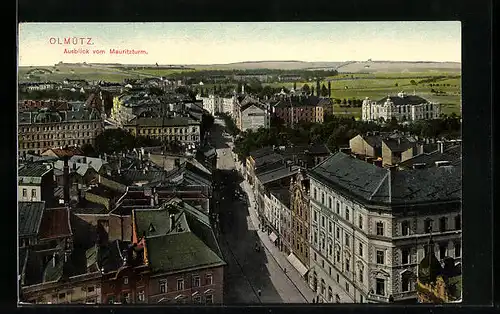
point(105, 157)
point(441, 147)
point(54, 261)
point(399, 141)
point(172, 221)
point(66, 181)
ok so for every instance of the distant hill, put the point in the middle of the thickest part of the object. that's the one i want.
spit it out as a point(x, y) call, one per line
point(282, 65)
point(399, 66)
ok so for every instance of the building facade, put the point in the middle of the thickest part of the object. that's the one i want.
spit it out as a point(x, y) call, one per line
point(44, 129)
point(253, 116)
point(402, 107)
point(366, 243)
point(299, 205)
point(167, 129)
point(297, 109)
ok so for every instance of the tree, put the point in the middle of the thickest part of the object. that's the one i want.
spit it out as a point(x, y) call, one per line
point(412, 82)
point(318, 88)
point(329, 89)
point(312, 91)
point(88, 150)
point(396, 84)
point(114, 140)
point(306, 89)
point(324, 91)
point(295, 86)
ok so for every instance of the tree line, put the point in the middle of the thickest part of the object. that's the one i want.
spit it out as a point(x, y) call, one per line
point(336, 132)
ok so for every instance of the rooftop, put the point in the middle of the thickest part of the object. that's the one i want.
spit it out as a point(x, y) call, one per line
point(302, 101)
point(63, 152)
point(34, 170)
point(372, 184)
point(55, 223)
point(162, 122)
point(403, 99)
point(277, 174)
point(30, 217)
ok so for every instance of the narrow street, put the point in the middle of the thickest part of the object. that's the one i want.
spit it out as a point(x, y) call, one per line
point(249, 271)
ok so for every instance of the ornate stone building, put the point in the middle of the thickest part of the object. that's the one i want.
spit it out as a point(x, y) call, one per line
point(299, 205)
point(369, 227)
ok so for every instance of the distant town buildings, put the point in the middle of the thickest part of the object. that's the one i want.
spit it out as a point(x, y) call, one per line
point(402, 107)
point(298, 109)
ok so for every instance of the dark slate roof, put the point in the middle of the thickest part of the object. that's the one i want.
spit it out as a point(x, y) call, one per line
point(318, 149)
point(406, 100)
point(109, 257)
point(261, 152)
point(250, 104)
point(303, 101)
point(282, 194)
point(453, 154)
point(373, 140)
point(163, 121)
point(33, 170)
point(277, 174)
point(55, 223)
point(371, 184)
point(267, 159)
point(86, 207)
point(400, 144)
point(30, 218)
point(51, 116)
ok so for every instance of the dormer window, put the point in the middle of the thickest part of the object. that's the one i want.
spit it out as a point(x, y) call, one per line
point(151, 228)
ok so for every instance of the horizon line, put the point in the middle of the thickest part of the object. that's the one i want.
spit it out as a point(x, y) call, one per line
point(248, 61)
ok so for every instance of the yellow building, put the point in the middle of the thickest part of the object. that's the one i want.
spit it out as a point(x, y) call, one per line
point(167, 129)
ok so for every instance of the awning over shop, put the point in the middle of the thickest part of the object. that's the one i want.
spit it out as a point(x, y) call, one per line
point(301, 268)
point(273, 237)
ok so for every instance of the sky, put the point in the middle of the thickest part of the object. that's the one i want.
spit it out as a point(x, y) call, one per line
point(220, 43)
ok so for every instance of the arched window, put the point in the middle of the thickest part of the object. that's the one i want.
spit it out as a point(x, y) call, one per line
point(330, 294)
point(323, 287)
point(406, 279)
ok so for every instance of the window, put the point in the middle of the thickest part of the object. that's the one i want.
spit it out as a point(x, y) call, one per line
point(209, 279)
point(314, 256)
point(25, 193)
point(380, 257)
point(322, 198)
point(338, 278)
point(125, 280)
point(405, 283)
point(196, 281)
point(111, 299)
point(329, 271)
point(330, 294)
point(180, 284)
point(329, 249)
point(442, 224)
point(380, 286)
point(330, 227)
point(380, 228)
point(338, 256)
point(315, 216)
point(62, 295)
point(428, 225)
point(442, 251)
point(347, 240)
point(163, 286)
point(458, 223)
point(209, 299)
point(338, 233)
point(90, 289)
point(347, 216)
point(405, 228)
point(323, 286)
point(197, 299)
point(33, 193)
point(360, 249)
point(315, 193)
point(140, 296)
point(323, 221)
point(405, 256)
point(347, 265)
point(338, 208)
point(361, 300)
point(360, 275)
point(330, 202)
point(458, 249)
point(360, 222)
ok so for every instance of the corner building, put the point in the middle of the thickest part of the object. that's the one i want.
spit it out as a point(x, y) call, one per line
point(369, 227)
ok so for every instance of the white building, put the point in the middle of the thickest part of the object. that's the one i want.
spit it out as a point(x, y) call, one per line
point(35, 182)
point(402, 107)
point(213, 104)
point(228, 105)
point(369, 227)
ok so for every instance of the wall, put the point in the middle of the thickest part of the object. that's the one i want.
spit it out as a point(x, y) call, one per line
point(120, 228)
point(171, 290)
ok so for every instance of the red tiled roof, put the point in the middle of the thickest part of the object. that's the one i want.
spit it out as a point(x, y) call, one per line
point(55, 223)
point(69, 151)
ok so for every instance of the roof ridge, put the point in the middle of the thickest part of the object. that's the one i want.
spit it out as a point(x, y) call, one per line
point(380, 184)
